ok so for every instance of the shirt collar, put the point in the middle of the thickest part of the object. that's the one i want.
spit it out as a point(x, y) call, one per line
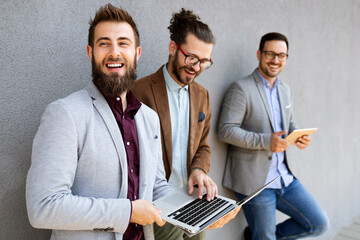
point(266, 82)
point(171, 83)
point(133, 104)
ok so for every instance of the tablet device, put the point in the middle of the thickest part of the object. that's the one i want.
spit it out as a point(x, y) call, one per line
point(293, 136)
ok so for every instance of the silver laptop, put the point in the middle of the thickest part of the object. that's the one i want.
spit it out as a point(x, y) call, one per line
point(192, 215)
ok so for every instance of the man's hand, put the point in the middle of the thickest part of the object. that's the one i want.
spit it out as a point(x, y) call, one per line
point(303, 142)
point(225, 219)
point(198, 177)
point(278, 144)
point(144, 212)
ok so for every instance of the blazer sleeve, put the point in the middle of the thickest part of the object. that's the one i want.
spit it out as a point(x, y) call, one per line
point(232, 115)
point(49, 199)
point(292, 125)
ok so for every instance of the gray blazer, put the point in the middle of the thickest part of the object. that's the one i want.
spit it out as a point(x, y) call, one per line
point(246, 124)
point(77, 182)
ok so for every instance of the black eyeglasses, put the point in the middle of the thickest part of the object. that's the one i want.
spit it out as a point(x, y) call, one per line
point(192, 60)
point(270, 55)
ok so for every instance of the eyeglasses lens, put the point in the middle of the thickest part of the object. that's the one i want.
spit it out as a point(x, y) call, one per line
point(271, 55)
point(191, 61)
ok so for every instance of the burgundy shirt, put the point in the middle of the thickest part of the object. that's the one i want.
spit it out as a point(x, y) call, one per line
point(126, 123)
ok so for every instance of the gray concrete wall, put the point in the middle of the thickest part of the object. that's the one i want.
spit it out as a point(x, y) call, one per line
point(43, 57)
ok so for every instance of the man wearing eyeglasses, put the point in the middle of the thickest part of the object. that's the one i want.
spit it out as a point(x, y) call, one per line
point(184, 110)
point(256, 113)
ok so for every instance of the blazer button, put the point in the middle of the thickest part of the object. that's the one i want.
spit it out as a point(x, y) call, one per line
point(269, 157)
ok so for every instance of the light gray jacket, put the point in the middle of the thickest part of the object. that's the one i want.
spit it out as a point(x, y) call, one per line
point(246, 124)
point(77, 182)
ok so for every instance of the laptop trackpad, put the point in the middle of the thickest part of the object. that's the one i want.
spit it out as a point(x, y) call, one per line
point(178, 199)
point(172, 202)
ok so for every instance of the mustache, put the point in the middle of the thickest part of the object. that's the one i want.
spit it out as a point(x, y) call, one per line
point(278, 64)
point(118, 59)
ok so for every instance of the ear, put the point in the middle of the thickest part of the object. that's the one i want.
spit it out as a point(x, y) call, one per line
point(258, 54)
point(89, 51)
point(138, 53)
point(172, 48)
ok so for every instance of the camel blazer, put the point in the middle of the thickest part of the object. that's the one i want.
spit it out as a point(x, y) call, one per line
point(246, 124)
point(151, 90)
point(77, 182)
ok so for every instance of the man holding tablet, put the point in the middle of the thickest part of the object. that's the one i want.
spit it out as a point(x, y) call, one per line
point(256, 113)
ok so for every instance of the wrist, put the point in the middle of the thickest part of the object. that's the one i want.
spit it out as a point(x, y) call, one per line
point(196, 168)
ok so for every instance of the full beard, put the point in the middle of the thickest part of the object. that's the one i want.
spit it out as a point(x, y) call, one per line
point(114, 85)
point(177, 68)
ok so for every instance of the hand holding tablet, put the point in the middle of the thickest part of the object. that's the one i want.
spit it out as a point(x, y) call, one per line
point(293, 136)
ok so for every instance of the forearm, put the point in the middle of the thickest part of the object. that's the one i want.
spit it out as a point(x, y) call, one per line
point(50, 197)
point(201, 160)
point(233, 134)
point(69, 212)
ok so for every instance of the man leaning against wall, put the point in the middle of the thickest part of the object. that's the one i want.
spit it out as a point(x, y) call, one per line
point(256, 113)
point(184, 111)
point(87, 178)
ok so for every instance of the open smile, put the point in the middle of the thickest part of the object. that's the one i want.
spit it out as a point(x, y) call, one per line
point(114, 67)
point(190, 72)
point(274, 67)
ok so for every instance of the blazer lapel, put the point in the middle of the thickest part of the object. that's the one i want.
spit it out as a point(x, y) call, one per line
point(142, 140)
point(194, 117)
point(282, 97)
point(105, 112)
point(162, 105)
point(262, 93)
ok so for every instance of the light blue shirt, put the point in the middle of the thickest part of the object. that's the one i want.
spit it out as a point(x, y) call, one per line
point(178, 98)
point(277, 166)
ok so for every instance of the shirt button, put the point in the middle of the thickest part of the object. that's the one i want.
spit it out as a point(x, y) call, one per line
point(135, 197)
point(132, 170)
point(117, 98)
point(128, 143)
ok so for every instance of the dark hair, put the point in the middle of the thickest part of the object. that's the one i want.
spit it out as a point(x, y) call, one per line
point(273, 36)
point(185, 22)
point(114, 14)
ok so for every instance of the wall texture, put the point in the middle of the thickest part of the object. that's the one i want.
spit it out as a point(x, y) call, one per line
point(43, 57)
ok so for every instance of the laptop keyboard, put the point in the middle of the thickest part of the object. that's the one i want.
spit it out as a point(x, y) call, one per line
point(197, 210)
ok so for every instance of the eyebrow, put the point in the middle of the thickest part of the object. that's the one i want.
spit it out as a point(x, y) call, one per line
point(274, 52)
point(108, 39)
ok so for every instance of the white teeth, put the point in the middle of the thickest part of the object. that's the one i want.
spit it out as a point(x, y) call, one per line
point(115, 65)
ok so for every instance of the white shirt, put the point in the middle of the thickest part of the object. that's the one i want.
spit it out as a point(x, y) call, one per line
point(178, 98)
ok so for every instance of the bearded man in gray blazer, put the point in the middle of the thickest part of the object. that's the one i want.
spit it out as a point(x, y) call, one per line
point(256, 112)
point(97, 158)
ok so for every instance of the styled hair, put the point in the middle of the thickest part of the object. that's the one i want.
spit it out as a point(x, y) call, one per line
point(185, 22)
point(273, 36)
point(113, 14)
